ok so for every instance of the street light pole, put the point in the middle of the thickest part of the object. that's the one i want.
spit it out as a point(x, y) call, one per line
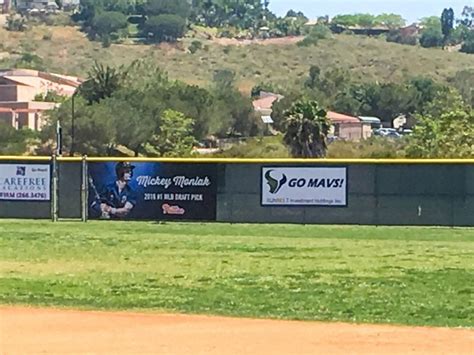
point(73, 117)
point(59, 139)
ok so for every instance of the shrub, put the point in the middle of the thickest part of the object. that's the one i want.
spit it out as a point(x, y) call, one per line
point(317, 33)
point(47, 36)
point(30, 61)
point(195, 46)
point(396, 36)
point(16, 23)
point(372, 148)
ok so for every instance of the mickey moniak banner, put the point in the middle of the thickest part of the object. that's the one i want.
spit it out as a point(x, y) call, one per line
point(152, 191)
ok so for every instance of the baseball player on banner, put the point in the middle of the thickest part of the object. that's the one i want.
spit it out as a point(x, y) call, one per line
point(115, 200)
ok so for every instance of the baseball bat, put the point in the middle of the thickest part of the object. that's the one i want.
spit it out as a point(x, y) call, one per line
point(104, 215)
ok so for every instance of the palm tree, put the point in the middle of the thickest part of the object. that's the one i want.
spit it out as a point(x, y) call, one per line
point(307, 127)
point(102, 83)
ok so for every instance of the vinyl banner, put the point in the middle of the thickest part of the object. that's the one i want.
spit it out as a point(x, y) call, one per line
point(295, 186)
point(152, 191)
point(25, 182)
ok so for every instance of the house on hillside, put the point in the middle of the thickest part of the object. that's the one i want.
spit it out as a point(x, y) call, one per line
point(348, 127)
point(374, 122)
point(20, 87)
point(311, 23)
point(263, 105)
point(358, 30)
point(411, 31)
point(5, 6)
point(36, 5)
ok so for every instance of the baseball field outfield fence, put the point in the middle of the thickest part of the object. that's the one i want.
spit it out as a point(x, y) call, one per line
point(434, 192)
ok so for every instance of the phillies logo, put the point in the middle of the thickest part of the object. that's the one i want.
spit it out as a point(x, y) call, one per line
point(173, 210)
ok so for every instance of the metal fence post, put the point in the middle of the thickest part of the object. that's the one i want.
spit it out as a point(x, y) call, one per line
point(84, 189)
point(376, 193)
point(54, 195)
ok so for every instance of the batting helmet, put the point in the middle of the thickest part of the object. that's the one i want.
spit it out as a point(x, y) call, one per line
point(123, 167)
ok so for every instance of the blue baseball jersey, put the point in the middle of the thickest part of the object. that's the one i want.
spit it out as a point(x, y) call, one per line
point(117, 199)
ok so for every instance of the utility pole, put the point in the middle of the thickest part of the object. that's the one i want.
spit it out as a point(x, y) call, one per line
point(73, 126)
point(59, 139)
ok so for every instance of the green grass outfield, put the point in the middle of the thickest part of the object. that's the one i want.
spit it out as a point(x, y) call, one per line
point(419, 276)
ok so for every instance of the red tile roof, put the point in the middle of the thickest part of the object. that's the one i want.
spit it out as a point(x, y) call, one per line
point(264, 104)
point(341, 118)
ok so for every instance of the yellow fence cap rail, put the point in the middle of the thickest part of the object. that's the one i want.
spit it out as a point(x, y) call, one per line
point(23, 158)
point(280, 161)
point(241, 160)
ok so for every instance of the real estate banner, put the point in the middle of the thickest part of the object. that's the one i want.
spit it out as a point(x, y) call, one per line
point(25, 182)
point(306, 186)
point(152, 191)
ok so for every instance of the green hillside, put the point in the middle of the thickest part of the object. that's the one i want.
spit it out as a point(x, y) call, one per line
point(67, 50)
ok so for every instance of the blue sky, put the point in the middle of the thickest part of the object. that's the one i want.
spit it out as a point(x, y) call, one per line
point(411, 10)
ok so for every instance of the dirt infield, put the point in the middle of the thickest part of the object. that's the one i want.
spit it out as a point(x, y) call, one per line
point(28, 330)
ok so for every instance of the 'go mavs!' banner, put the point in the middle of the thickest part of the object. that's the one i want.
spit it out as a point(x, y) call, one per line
point(305, 186)
point(25, 182)
point(161, 191)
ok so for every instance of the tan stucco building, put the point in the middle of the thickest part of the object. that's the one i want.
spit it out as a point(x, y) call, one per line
point(20, 87)
point(348, 127)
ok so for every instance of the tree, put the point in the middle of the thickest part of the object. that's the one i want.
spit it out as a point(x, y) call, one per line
point(363, 20)
point(392, 21)
point(174, 137)
point(444, 102)
point(194, 102)
point(459, 35)
point(179, 8)
point(164, 28)
point(468, 45)
point(450, 135)
point(102, 83)
point(288, 26)
point(467, 18)
point(463, 81)
point(94, 133)
point(313, 79)
point(108, 23)
point(447, 24)
point(248, 14)
point(50, 96)
point(12, 141)
point(299, 14)
point(307, 127)
point(126, 7)
point(428, 91)
point(224, 80)
point(280, 107)
point(431, 35)
point(367, 20)
point(87, 11)
point(316, 34)
point(135, 124)
point(386, 101)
